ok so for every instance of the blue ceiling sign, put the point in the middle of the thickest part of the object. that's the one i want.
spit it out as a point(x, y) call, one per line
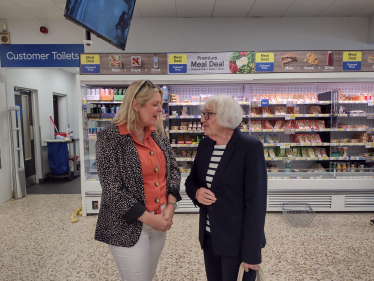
point(40, 55)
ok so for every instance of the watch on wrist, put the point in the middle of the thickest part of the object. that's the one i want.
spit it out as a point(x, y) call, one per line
point(173, 204)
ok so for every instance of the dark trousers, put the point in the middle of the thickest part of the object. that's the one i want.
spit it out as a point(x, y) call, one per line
point(222, 268)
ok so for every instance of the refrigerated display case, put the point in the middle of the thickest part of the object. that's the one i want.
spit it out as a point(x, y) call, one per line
point(307, 137)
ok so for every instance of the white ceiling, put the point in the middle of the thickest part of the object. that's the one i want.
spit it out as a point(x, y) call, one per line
point(54, 9)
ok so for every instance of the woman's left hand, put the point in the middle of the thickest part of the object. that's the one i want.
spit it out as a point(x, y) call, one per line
point(168, 213)
point(247, 266)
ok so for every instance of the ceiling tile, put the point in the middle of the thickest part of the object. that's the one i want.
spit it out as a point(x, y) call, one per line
point(44, 11)
point(354, 1)
point(231, 10)
point(32, 1)
point(235, 1)
point(194, 8)
point(268, 8)
point(342, 9)
point(15, 13)
point(136, 13)
point(313, 1)
point(6, 2)
point(306, 9)
point(365, 12)
point(157, 9)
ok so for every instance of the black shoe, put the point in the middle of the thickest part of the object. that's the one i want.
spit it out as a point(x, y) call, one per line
point(372, 222)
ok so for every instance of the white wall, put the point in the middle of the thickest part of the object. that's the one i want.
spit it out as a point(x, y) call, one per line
point(45, 82)
point(210, 35)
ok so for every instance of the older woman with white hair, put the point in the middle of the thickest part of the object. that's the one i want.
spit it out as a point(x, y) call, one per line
point(228, 181)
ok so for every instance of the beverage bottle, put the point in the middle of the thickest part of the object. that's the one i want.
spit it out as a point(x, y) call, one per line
point(103, 109)
point(155, 61)
point(329, 58)
point(288, 168)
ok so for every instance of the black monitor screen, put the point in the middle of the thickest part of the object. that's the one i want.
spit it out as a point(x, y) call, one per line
point(107, 19)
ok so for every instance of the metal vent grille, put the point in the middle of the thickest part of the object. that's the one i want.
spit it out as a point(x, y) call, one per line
point(317, 202)
point(352, 201)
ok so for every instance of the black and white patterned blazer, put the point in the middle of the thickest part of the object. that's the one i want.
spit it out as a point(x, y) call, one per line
point(120, 174)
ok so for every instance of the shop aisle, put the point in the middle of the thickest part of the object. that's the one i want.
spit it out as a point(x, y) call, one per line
point(58, 186)
point(38, 242)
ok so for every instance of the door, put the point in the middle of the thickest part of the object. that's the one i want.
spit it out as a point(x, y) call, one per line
point(5, 159)
point(23, 99)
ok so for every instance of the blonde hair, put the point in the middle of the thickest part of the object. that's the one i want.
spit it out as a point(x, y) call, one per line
point(228, 111)
point(128, 115)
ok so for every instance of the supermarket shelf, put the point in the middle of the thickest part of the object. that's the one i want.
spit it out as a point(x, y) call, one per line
point(292, 130)
point(184, 145)
point(288, 145)
point(195, 132)
point(99, 119)
point(350, 115)
point(349, 158)
point(287, 115)
point(301, 102)
point(350, 130)
point(348, 144)
point(101, 102)
point(354, 102)
point(297, 158)
point(181, 159)
point(198, 103)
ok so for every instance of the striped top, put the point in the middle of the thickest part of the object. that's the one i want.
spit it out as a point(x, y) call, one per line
point(213, 165)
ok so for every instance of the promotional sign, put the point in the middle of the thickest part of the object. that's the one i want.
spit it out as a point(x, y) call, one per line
point(211, 63)
point(228, 62)
point(122, 64)
point(90, 64)
point(40, 55)
point(264, 62)
point(352, 61)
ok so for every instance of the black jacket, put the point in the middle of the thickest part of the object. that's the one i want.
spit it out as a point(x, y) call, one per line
point(237, 218)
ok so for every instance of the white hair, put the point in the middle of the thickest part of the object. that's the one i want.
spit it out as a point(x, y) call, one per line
point(228, 111)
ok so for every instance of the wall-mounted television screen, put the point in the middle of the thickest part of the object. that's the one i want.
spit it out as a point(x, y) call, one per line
point(107, 19)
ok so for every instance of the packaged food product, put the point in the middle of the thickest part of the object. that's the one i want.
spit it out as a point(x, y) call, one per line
point(282, 152)
point(316, 109)
point(267, 125)
point(279, 110)
point(304, 152)
point(290, 110)
point(278, 124)
point(204, 98)
point(261, 138)
point(289, 152)
point(306, 124)
point(362, 126)
point(287, 125)
point(275, 138)
point(271, 152)
point(255, 97)
point(266, 111)
point(317, 138)
point(311, 152)
point(308, 138)
point(320, 124)
point(255, 110)
point(256, 125)
point(296, 110)
point(299, 124)
point(266, 153)
point(269, 139)
point(296, 152)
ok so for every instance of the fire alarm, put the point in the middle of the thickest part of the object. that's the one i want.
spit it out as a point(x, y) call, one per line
point(4, 38)
point(44, 30)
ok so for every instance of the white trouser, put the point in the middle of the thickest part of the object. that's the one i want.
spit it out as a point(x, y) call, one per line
point(139, 262)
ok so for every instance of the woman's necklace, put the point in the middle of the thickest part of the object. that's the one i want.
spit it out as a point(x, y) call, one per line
point(141, 137)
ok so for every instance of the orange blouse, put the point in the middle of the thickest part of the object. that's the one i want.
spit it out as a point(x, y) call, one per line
point(153, 162)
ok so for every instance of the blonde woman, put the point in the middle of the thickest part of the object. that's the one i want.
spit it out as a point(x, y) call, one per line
point(140, 182)
point(228, 181)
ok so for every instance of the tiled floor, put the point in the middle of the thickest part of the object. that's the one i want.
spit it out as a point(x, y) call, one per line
point(57, 186)
point(38, 242)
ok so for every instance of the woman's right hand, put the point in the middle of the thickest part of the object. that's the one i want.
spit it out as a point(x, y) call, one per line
point(205, 196)
point(157, 222)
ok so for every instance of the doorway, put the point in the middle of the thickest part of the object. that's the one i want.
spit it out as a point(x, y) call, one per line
point(23, 99)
